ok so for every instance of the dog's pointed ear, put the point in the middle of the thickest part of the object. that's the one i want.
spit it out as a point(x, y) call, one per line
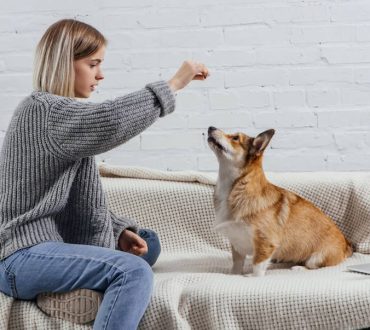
point(261, 141)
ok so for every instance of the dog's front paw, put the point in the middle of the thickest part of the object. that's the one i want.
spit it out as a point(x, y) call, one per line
point(236, 271)
point(298, 268)
point(258, 273)
point(254, 275)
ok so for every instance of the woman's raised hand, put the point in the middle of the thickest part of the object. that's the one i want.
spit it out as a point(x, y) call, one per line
point(189, 70)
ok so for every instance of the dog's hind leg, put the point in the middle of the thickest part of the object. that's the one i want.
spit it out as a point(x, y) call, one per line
point(315, 261)
point(324, 259)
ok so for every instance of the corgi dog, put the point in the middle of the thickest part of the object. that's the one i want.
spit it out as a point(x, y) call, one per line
point(263, 220)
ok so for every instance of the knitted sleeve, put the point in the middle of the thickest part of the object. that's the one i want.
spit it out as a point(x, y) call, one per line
point(120, 224)
point(78, 129)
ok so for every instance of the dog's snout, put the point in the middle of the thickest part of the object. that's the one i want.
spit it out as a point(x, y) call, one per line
point(211, 129)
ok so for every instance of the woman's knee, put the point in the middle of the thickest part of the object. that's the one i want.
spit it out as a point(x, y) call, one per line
point(142, 268)
point(137, 268)
point(137, 279)
point(154, 245)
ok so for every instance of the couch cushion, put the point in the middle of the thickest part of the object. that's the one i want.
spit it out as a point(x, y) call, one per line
point(193, 289)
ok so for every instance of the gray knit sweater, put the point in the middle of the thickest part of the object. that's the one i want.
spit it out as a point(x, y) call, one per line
point(50, 189)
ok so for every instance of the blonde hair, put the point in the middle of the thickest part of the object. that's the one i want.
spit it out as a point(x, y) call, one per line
point(63, 42)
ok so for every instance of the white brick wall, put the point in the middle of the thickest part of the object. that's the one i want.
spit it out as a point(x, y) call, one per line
point(299, 66)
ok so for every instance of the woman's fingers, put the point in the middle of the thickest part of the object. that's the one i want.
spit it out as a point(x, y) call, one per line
point(139, 247)
point(189, 70)
point(200, 76)
point(201, 71)
point(139, 250)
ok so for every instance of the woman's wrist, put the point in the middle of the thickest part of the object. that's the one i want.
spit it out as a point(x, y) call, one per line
point(174, 85)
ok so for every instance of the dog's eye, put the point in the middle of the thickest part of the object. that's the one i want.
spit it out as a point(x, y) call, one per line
point(235, 138)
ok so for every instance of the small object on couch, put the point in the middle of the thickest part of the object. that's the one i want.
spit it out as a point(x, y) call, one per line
point(361, 268)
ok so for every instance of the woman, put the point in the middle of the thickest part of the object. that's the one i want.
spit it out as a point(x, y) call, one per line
point(56, 232)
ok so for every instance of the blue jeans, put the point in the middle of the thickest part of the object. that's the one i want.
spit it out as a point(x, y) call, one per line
point(125, 279)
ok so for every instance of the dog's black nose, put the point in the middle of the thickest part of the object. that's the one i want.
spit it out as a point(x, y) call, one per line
point(211, 128)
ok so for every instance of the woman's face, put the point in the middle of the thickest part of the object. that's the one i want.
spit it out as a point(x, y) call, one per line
point(88, 73)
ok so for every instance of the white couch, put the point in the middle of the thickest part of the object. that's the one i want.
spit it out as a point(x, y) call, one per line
point(193, 287)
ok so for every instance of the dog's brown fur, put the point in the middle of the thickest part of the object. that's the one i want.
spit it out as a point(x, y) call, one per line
point(283, 225)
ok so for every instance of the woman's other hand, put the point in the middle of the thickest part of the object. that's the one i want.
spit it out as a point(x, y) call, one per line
point(132, 243)
point(189, 70)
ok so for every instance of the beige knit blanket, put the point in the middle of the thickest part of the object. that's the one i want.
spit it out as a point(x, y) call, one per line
point(193, 287)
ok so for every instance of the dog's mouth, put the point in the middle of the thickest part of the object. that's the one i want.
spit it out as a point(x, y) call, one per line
point(214, 142)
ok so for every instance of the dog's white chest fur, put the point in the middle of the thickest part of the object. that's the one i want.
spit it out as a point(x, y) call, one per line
point(236, 231)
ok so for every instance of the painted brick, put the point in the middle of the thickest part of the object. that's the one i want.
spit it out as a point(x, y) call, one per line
point(301, 67)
